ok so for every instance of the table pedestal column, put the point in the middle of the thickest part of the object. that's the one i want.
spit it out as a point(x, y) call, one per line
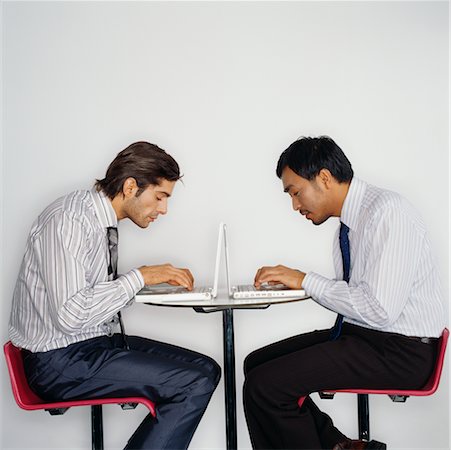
point(229, 378)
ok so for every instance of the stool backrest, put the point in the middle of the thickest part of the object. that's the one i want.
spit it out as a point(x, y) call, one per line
point(432, 385)
point(23, 395)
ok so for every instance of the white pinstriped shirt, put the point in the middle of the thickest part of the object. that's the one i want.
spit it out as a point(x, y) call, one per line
point(394, 284)
point(63, 294)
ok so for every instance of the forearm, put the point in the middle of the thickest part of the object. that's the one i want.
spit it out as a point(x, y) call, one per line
point(92, 306)
point(356, 302)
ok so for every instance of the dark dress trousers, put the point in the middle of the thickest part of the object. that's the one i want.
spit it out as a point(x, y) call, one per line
point(279, 374)
point(179, 381)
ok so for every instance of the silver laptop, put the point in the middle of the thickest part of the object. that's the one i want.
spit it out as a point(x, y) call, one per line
point(167, 292)
point(265, 291)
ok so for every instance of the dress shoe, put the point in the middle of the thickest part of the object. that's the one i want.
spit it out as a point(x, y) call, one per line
point(349, 444)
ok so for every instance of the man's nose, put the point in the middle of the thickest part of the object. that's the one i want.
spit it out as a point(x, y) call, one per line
point(296, 203)
point(162, 206)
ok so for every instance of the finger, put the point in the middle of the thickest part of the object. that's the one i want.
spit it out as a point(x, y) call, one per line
point(263, 271)
point(183, 279)
point(177, 280)
point(172, 276)
point(266, 274)
point(190, 275)
point(271, 275)
point(257, 275)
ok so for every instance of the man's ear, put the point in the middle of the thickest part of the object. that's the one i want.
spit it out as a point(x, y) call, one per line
point(129, 188)
point(325, 178)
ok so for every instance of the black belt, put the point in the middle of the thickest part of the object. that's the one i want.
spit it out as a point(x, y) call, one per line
point(424, 340)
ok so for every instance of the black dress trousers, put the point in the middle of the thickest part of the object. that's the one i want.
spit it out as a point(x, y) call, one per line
point(276, 377)
point(179, 381)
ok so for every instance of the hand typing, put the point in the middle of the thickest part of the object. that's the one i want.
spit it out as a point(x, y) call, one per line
point(167, 273)
point(291, 278)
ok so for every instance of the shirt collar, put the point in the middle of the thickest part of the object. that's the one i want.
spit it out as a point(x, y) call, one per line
point(104, 209)
point(351, 207)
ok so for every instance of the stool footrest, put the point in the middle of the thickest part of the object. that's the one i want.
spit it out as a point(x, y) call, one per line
point(376, 445)
point(399, 398)
point(125, 406)
point(57, 411)
point(326, 395)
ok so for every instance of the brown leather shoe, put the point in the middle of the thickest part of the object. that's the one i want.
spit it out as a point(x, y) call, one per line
point(349, 444)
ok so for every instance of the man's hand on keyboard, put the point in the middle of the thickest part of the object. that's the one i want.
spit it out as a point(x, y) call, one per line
point(291, 278)
point(167, 273)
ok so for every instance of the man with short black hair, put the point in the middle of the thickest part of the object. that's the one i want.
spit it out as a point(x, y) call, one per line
point(386, 292)
point(68, 299)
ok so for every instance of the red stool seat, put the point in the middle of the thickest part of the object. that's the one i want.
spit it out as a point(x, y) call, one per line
point(397, 395)
point(28, 400)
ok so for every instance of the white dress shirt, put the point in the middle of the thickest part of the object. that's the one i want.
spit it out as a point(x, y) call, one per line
point(394, 283)
point(63, 293)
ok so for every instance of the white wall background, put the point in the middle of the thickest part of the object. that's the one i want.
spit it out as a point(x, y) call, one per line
point(224, 87)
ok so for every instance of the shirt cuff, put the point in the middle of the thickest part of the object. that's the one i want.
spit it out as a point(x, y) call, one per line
point(315, 284)
point(132, 282)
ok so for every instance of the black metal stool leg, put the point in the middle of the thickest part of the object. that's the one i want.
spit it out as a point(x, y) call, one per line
point(364, 416)
point(97, 427)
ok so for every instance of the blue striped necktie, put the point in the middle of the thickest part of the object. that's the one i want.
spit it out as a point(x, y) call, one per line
point(346, 259)
point(113, 241)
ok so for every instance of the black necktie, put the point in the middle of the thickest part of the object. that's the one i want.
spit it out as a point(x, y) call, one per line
point(346, 259)
point(113, 240)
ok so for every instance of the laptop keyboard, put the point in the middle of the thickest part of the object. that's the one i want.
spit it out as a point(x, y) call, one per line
point(265, 287)
point(246, 288)
point(200, 290)
point(173, 290)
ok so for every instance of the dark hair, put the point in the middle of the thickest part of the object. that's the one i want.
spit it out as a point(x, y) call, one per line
point(145, 162)
point(307, 156)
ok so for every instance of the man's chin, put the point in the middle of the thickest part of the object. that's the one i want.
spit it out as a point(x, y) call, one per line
point(141, 224)
point(319, 221)
point(314, 220)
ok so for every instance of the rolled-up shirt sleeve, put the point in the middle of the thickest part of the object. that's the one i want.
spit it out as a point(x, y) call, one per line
point(74, 304)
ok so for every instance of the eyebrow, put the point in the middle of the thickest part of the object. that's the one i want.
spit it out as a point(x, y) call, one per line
point(165, 193)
